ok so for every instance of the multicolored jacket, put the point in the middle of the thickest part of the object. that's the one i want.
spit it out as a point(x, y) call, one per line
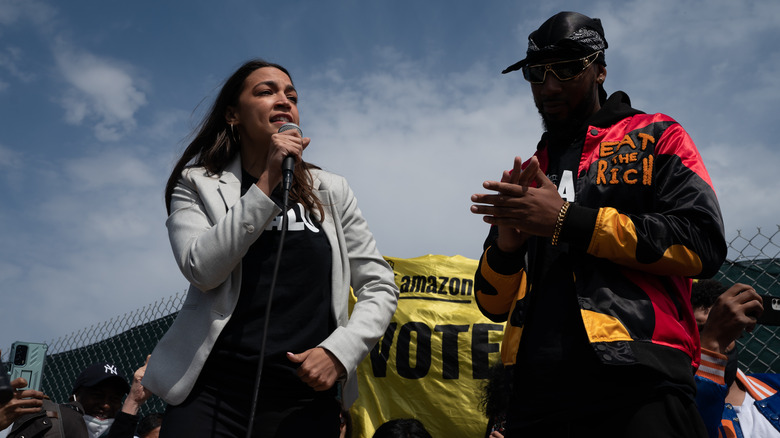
point(719, 417)
point(643, 220)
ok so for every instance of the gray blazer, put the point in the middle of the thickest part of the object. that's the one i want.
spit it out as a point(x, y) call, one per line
point(211, 227)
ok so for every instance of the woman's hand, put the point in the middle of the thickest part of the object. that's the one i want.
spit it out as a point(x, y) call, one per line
point(283, 144)
point(319, 368)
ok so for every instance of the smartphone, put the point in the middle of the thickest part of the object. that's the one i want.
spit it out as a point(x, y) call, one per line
point(771, 315)
point(28, 360)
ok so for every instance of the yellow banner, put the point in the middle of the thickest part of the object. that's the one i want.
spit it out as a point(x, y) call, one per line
point(435, 355)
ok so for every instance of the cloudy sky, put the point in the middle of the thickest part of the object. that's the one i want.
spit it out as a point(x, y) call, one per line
point(404, 98)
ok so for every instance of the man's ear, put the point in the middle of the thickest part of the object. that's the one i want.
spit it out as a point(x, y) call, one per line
point(601, 73)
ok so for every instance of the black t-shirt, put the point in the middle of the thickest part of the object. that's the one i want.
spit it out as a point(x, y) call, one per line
point(554, 330)
point(554, 349)
point(300, 315)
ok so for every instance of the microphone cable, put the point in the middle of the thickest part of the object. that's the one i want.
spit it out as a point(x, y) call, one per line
point(287, 169)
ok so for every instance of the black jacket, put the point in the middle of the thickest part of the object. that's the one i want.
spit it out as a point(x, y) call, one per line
point(52, 421)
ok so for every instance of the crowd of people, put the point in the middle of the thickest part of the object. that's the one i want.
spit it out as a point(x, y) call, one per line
point(102, 404)
point(594, 246)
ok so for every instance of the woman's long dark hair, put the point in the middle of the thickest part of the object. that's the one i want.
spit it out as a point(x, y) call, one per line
point(214, 147)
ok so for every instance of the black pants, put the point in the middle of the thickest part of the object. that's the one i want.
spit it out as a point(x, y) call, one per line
point(668, 414)
point(220, 412)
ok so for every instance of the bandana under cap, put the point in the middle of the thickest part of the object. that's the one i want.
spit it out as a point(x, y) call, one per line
point(564, 35)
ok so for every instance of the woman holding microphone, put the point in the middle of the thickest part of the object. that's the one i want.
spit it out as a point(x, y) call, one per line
point(223, 199)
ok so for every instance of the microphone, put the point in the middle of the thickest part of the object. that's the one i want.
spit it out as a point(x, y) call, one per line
point(288, 164)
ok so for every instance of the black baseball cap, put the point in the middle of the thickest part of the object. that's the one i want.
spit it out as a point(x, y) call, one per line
point(98, 373)
point(565, 35)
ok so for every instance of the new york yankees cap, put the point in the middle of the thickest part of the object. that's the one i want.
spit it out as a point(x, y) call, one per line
point(98, 373)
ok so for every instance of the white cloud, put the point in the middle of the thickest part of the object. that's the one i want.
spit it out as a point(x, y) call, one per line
point(76, 108)
point(110, 169)
point(168, 126)
point(111, 198)
point(13, 11)
point(102, 92)
point(64, 292)
point(743, 179)
point(9, 61)
point(9, 159)
point(695, 50)
point(681, 25)
point(761, 94)
point(9, 273)
point(94, 239)
point(415, 146)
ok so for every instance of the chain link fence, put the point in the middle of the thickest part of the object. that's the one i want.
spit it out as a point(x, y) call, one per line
point(126, 340)
point(754, 260)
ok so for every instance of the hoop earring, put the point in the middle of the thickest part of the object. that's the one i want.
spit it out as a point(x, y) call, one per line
point(233, 137)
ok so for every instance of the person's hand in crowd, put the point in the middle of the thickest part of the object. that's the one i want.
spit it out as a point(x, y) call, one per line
point(138, 393)
point(23, 402)
point(735, 310)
